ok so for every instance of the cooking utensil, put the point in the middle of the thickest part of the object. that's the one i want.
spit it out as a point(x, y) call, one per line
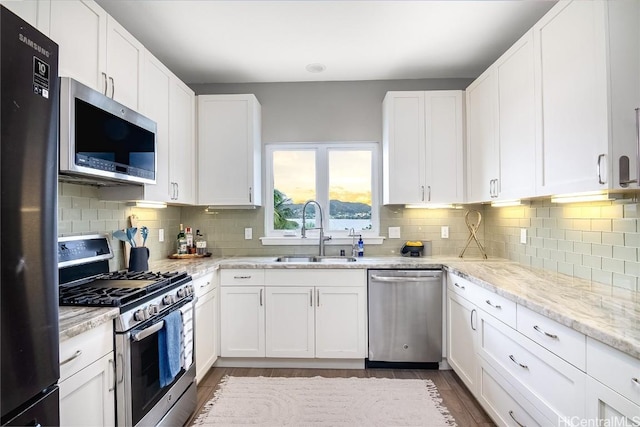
point(131, 233)
point(144, 231)
point(120, 235)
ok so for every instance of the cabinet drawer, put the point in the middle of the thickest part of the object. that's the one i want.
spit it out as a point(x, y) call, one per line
point(315, 277)
point(237, 277)
point(615, 369)
point(558, 339)
point(503, 402)
point(204, 284)
point(537, 373)
point(80, 351)
point(492, 303)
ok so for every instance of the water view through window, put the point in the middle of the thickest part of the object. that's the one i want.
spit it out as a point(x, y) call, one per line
point(344, 176)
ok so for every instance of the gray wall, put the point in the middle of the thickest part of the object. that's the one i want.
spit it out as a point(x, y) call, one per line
point(325, 111)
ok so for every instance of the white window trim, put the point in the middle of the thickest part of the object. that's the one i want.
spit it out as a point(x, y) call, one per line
point(338, 237)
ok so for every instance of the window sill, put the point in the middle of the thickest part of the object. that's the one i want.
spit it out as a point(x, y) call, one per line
point(313, 241)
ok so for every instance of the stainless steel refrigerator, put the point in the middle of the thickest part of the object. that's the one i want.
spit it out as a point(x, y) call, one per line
point(28, 230)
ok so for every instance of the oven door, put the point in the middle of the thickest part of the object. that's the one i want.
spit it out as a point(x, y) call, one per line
point(139, 395)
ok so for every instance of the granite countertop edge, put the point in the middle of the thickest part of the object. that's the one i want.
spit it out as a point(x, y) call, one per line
point(583, 305)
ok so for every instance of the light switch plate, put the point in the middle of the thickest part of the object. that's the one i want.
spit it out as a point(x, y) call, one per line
point(523, 236)
point(394, 232)
point(248, 233)
point(161, 235)
point(444, 231)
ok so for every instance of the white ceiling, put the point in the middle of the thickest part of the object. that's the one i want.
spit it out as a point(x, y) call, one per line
point(205, 41)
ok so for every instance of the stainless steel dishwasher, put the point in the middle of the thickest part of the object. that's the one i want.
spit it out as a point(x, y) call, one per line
point(405, 318)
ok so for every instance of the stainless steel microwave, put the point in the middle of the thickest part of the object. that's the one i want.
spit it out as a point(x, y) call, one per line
point(101, 139)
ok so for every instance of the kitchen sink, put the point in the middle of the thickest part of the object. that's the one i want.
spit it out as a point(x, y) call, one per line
point(323, 259)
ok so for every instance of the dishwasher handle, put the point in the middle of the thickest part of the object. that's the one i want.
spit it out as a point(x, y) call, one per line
point(434, 276)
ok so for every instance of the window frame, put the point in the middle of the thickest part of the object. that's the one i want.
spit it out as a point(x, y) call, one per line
point(322, 150)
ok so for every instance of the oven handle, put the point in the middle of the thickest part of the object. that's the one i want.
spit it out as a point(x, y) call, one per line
point(140, 335)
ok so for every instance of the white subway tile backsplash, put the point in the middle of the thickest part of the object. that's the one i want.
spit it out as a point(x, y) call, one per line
point(613, 265)
point(592, 237)
point(625, 253)
point(613, 239)
point(625, 225)
point(602, 250)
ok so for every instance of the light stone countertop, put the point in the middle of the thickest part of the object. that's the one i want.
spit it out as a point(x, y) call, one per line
point(605, 313)
point(76, 320)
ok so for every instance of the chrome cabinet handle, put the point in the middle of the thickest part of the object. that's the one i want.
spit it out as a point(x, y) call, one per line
point(516, 421)
point(113, 87)
point(106, 85)
point(553, 336)
point(499, 307)
point(242, 277)
point(429, 193)
point(599, 168)
point(261, 297)
point(422, 193)
point(318, 297)
point(73, 357)
point(513, 359)
point(458, 286)
point(177, 191)
point(638, 145)
point(472, 313)
point(112, 364)
point(250, 194)
point(310, 297)
point(636, 381)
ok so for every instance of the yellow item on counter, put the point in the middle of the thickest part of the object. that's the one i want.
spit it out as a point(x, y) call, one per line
point(417, 243)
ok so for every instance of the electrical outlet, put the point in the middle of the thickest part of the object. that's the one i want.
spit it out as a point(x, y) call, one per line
point(161, 235)
point(444, 231)
point(248, 233)
point(394, 232)
point(523, 236)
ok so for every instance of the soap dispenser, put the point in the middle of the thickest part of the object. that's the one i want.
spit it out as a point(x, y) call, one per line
point(360, 247)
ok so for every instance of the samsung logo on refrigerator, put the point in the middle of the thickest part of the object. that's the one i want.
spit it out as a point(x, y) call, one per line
point(101, 139)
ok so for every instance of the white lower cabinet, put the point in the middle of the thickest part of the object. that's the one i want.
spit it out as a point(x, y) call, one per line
point(605, 407)
point(288, 316)
point(87, 379)
point(462, 337)
point(206, 323)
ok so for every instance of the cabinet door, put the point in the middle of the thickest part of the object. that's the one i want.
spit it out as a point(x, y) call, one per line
point(35, 12)
point(482, 156)
point(182, 142)
point(341, 322)
point(444, 138)
point(242, 321)
point(572, 78)
point(462, 335)
point(124, 65)
point(229, 150)
point(516, 120)
point(206, 325)
point(155, 105)
point(606, 407)
point(290, 321)
point(80, 29)
point(87, 398)
point(403, 148)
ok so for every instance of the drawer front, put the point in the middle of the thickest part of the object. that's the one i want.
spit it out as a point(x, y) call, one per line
point(237, 277)
point(204, 284)
point(615, 369)
point(559, 339)
point(80, 351)
point(504, 404)
point(492, 303)
point(541, 375)
point(315, 277)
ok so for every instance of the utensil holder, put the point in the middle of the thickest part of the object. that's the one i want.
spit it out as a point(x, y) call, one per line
point(139, 259)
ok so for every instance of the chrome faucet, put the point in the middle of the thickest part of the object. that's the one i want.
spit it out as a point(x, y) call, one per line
point(323, 238)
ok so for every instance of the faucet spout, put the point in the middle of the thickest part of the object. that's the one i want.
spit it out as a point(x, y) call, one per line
point(303, 230)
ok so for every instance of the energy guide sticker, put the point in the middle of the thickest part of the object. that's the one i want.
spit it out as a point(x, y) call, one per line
point(40, 77)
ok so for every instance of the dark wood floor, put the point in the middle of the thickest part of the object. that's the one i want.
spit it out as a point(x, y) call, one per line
point(455, 395)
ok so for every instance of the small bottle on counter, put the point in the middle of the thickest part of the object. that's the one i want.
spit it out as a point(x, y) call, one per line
point(181, 242)
point(360, 247)
point(191, 248)
point(201, 244)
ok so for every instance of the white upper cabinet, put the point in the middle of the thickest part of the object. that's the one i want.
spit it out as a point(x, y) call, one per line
point(96, 50)
point(589, 89)
point(35, 12)
point(182, 142)
point(229, 150)
point(423, 147)
point(482, 145)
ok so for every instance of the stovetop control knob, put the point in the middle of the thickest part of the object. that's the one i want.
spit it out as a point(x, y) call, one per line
point(141, 315)
point(181, 293)
point(190, 289)
point(154, 309)
point(168, 300)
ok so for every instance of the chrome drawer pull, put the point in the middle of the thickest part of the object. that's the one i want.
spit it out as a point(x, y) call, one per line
point(499, 307)
point(75, 356)
point(514, 419)
point(636, 381)
point(517, 363)
point(458, 286)
point(552, 336)
point(242, 277)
